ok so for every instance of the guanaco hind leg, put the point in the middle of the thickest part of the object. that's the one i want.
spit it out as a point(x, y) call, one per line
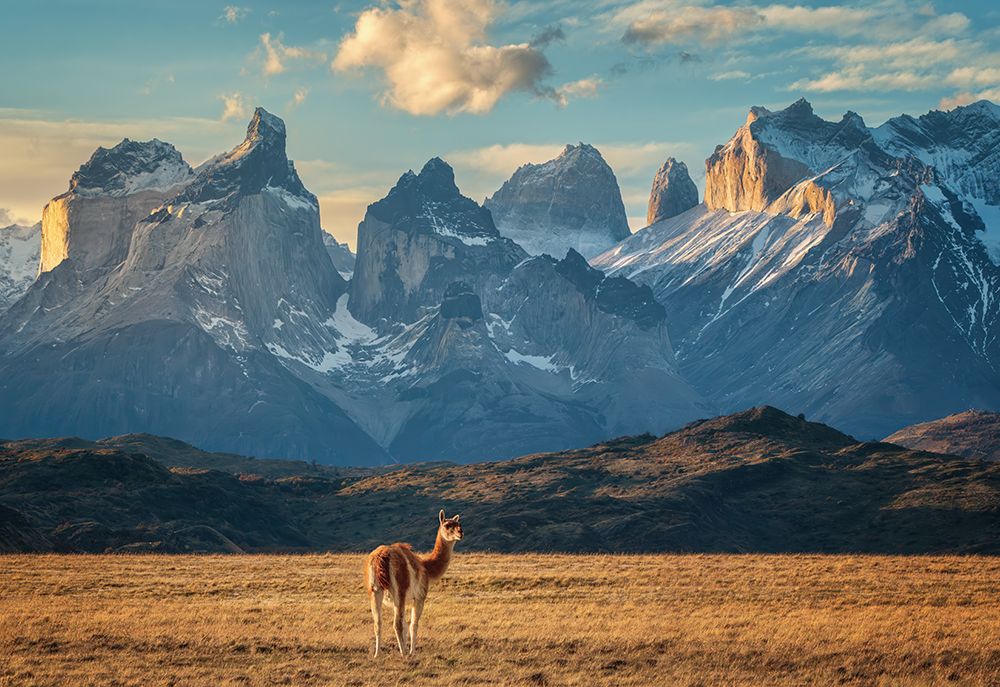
point(398, 613)
point(376, 597)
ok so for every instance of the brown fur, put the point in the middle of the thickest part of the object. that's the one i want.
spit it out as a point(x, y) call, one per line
point(378, 561)
point(401, 572)
point(411, 573)
point(436, 562)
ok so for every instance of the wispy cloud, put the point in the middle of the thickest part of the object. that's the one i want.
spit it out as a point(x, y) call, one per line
point(691, 23)
point(277, 55)
point(233, 14)
point(234, 106)
point(904, 45)
point(732, 75)
point(298, 98)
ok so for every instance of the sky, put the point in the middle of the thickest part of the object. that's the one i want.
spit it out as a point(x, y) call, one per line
point(369, 89)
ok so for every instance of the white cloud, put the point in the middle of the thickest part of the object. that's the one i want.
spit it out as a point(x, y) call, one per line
point(735, 74)
point(277, 54)
point(234, 106)
point(234, 13)
point(435, 57)
point(298, 97)
point(976, 75)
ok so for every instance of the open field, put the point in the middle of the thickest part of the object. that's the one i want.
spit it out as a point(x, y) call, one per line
point(504, 619)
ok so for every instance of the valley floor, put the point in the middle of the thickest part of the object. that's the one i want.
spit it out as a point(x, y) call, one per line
point(504, 620)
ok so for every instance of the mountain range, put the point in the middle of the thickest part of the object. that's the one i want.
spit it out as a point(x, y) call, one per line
point(846, 272)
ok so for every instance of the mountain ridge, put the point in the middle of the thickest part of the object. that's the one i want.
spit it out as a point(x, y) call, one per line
point(756, 481)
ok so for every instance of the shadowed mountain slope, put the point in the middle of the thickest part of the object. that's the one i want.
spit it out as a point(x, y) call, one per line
point(759, 480)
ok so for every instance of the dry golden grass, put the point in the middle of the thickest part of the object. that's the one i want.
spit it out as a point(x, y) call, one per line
point(504, 620)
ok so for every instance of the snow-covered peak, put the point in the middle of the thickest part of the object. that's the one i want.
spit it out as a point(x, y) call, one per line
point(258, 163)
point(20, 248)
point(263, 123)
point(430, 202)
point(130, 167)
point(572, 201)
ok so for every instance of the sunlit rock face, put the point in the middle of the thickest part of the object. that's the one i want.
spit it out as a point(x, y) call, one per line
point(92, 222)
point(570, 202)
point(837, 270)
point(673, 192)
point(774, 151)
point(20, 247)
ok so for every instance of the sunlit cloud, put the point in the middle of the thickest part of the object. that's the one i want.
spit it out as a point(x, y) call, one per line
point(234, 106)
point(298, 98)
point(277, 55)
point(435, 57)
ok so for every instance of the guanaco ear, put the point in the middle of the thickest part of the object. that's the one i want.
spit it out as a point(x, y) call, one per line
point(441, 516)
point(456, 517)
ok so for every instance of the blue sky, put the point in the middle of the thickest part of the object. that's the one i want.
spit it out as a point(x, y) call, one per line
point(370, 89)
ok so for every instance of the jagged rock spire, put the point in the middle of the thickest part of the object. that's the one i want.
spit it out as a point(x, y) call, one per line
point(673, 192)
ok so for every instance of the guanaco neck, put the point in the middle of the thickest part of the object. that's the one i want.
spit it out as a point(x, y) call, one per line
point(436, 562)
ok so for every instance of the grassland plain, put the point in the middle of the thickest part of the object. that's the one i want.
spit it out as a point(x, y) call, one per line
point(504, 620)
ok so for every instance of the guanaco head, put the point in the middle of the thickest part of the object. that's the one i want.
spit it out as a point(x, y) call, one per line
point(450, 529)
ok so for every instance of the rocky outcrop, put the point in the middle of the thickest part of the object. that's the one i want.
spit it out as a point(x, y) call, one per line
point(92, 222)
point(20, 250)
point(773, 152)
point(570, 202)
point(420, 238)
point(673, 192)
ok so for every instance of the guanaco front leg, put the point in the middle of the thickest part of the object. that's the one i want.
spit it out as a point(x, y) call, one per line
point(418, 609)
